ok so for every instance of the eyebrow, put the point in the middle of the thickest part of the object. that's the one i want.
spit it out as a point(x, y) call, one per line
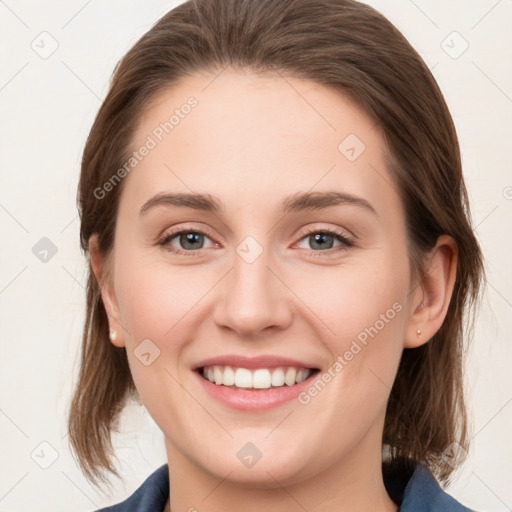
point(296, 202)
point(318, 200)
point(204, 202)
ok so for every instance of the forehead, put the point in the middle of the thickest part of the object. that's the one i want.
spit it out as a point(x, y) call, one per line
point(248, 137)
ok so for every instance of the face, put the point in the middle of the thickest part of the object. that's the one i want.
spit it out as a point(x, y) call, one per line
point(289, 263)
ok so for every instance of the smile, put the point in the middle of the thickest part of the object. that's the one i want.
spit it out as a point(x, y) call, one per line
point(260, 378)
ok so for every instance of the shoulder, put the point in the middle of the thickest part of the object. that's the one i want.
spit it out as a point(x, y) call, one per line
point(423, 494)
point(150, 496)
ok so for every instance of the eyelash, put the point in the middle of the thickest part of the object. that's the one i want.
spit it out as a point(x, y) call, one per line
point(338, 235)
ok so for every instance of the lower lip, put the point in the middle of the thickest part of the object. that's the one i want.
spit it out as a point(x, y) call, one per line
point(254, 399)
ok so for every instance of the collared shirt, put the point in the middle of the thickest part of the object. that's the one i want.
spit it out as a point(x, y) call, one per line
point(419, 493)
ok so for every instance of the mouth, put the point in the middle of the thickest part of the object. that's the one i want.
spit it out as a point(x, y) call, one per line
point(255, 379)
point(254, 383)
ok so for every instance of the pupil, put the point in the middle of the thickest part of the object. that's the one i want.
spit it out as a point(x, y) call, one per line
point(190, 240)
point(320, 239)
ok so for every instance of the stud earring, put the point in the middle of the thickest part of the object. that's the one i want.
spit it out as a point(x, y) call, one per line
point(418, 332)
point(113, 335)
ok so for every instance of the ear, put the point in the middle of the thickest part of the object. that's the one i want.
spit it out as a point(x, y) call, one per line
point(99, 267)
point(432, 295)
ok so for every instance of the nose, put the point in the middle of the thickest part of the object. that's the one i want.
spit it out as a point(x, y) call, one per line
point(253, 298)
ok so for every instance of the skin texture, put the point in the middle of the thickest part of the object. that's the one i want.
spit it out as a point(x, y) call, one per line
point(251, 141)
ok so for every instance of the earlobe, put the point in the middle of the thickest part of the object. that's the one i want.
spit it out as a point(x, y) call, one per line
point(433, 294)
point(98, 267)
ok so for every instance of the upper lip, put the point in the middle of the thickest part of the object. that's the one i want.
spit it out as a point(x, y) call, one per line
point(264, 361)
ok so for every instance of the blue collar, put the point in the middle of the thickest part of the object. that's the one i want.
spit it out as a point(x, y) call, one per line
point(417, 493)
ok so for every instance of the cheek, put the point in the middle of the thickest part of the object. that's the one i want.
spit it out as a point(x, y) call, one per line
point(361, 308)
point(153, 297)
point(156, 305)
point(355, 296)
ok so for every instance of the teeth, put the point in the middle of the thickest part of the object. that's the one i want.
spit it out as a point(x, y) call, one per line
point(243, 378)
point(278, 377)
point(262, 378)
point(229, 376)
point(289, 378)
point(302, 374)
point(218, 376)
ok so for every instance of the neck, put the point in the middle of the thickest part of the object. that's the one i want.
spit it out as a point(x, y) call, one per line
point(354, 484)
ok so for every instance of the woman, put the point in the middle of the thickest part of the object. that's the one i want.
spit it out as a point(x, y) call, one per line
point(281, 259)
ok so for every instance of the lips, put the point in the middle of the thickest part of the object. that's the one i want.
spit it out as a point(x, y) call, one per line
point(253, 363)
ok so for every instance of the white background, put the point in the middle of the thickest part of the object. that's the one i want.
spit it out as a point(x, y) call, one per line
point(47, 107)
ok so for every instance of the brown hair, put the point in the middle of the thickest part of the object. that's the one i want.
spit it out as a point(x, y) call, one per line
point(344, 45)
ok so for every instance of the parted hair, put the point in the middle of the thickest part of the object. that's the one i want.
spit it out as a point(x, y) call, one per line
point(344, 45)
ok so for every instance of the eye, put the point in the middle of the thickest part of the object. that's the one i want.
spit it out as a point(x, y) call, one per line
point(190, 241)
point(186, 241)
point(324, 240)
